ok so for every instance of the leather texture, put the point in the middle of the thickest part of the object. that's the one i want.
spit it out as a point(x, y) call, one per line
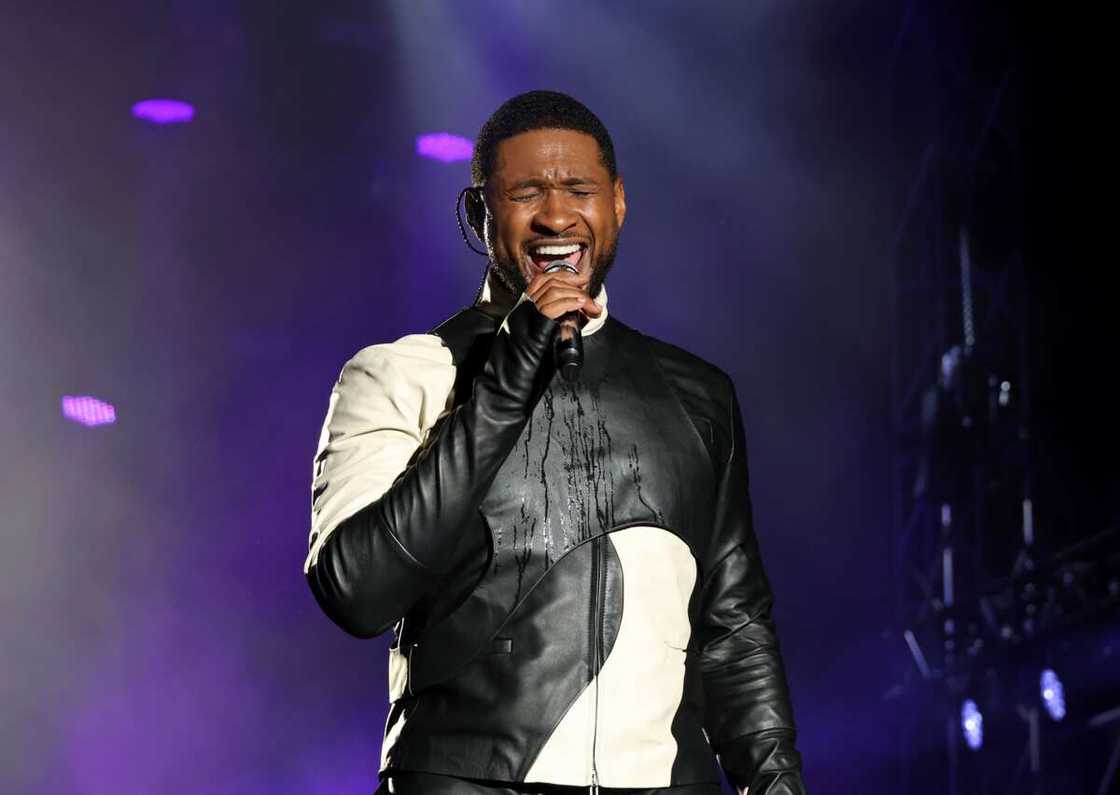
point(491, 555)
point(382, 559)
point(429, 784)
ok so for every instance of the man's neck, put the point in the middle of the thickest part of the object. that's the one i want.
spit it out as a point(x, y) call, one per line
point(495, 299)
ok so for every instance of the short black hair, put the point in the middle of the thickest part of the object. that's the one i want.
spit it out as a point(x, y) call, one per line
point(537, 110)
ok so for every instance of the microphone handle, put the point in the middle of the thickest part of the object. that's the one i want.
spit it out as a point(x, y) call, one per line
point(567, 351)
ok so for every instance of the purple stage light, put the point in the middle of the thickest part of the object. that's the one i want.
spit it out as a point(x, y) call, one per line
point(89, 411)
point(163, 111)
point(445, 147)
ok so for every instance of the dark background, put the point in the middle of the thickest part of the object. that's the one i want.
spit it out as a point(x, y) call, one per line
point(210, 279)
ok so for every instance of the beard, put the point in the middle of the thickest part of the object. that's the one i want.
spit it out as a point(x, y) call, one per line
point(509, 274)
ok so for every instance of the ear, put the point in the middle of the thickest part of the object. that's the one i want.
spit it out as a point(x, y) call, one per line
point(619, 200)
point(476, 211)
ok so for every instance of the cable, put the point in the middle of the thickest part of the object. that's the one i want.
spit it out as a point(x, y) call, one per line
point(462, 228)
point(467, 240)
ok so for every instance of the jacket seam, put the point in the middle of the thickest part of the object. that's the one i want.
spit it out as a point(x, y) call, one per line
point(408, 557)
point(746, 737)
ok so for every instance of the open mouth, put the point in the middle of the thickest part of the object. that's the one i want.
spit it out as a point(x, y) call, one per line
point(545, 255)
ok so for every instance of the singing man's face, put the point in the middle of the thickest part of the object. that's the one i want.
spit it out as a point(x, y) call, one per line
point(551, 198)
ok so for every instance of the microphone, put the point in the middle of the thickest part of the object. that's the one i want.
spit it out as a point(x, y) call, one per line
point(567, 351)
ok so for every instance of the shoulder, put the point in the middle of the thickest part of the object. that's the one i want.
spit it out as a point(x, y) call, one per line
point(698, 380)
point(410, 355)
point(418, 370)
point(678, 363)
point(412, 375)
point(444, 346)
point(393, 389)
point(704, 389)
point(465, 331)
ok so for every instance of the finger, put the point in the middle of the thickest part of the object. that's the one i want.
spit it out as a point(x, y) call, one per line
point(554, 290)
point(542, 280)
point(554, 309)
point(571, 302)
point(559, 291)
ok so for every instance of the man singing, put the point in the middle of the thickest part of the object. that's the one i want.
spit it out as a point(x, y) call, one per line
point(569, 566)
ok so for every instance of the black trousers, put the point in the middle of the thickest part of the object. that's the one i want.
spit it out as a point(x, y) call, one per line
point(432, 784)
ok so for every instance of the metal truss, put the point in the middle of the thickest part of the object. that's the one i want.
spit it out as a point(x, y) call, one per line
point(980, 607)
point(955, 325)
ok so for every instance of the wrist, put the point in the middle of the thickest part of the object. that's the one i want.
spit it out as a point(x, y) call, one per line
point(529, 324)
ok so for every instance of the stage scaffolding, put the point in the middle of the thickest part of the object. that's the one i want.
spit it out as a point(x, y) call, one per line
point(984, 600)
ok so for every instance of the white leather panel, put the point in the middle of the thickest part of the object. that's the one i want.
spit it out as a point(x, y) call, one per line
point(398, 674)
point(625, 717)
point(383, 405)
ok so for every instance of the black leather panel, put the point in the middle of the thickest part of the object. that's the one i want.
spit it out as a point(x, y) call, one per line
point(741, 660)
point(586, 463)
point(694, 761)
point(589, 462)
point(610, 615)
point(702, 390)
point(649, 435)
point(359, 579)
point(467, 567)
point(492, 717)
point(431, 784)
point(469, 336)
point(767, 761)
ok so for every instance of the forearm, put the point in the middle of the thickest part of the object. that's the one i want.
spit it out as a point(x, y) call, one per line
point(376, 563)
point(749, 715)
point(765, 763)
point(748, 712)
point(757, 748)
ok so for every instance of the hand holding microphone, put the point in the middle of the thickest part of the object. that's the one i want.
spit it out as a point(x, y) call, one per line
point(560, 293)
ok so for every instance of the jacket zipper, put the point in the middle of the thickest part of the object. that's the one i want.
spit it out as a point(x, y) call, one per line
point(598, 595)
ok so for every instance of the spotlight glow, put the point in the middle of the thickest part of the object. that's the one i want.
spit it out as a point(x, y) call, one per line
point(1053, 694)
point(88, 411)
point(972, 724)
point(444, 147)
point(163, 111)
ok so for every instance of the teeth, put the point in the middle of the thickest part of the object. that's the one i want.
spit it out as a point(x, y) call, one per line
point(556, 250)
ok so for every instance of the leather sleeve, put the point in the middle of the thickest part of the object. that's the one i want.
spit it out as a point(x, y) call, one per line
point(748, 714)
point(378, 562)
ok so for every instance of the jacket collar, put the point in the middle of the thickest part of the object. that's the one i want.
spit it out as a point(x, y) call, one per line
point(495, 300)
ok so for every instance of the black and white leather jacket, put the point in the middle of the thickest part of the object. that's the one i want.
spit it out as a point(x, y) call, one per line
point(570, 569)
